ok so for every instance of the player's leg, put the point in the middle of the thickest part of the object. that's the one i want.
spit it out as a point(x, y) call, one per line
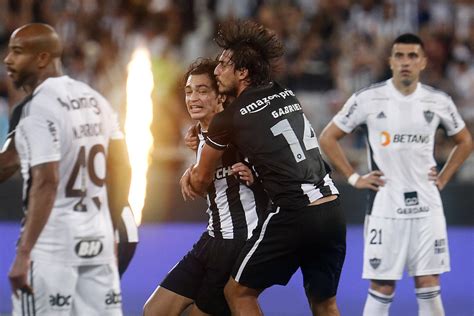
point(379, 297)
point(386, 244)
point(219, 263)
point(268, 258)
point(195, 311)
point(242, 300)
point(53, 285)
point(181, 285)
point(98, 291)
point(428, 295)
point(165, 302)
point(322, 254)
point(429, 257)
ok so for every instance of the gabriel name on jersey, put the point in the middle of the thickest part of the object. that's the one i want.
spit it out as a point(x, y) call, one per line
point(267, 125)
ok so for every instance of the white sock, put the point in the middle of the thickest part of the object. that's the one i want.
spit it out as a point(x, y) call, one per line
point(377, 304)
point(429, 301)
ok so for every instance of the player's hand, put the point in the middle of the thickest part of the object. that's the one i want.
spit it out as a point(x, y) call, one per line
point(186, 188)
point(243, 172)
point(372, 180)
point(18, 274)
point(433, 176)
point(191, 139)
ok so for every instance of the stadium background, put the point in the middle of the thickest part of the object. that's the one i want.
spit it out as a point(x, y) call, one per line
point(333, 48)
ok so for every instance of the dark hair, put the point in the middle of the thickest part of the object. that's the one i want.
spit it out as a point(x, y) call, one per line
point(203, 66)
point(409, 38)
point(254, 48)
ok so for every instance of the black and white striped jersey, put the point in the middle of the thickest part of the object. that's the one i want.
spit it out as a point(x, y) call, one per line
point(234, 208)
point(267, 125)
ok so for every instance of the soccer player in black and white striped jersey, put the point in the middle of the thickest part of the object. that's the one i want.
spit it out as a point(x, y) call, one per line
point(266, 123)
point(236, 201)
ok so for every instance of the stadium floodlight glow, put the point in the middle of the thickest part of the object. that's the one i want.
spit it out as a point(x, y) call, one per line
point(137, 126)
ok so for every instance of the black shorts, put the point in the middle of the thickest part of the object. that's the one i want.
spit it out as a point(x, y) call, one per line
point(203, 272)
point(312, 238)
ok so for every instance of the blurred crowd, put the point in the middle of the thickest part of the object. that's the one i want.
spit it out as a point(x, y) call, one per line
point(333, 48)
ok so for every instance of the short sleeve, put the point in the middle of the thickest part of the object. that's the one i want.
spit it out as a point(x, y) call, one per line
point(350, 116)
point(111, 118)
point(115, 131)
point(451, 119)
point(220, 130)
point(38, 138)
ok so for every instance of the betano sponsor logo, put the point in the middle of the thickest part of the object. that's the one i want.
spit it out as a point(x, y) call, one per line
point(386, 138)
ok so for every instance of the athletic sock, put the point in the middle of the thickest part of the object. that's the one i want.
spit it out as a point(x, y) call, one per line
point(377, 304)
point(429, 301)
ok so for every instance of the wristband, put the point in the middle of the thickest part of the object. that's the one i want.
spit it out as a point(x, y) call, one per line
point(353, 179)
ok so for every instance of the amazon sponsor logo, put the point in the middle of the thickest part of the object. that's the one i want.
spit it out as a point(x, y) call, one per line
point(262, 103)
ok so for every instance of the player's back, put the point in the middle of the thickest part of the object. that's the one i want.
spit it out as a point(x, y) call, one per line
point(269, 127)
point(75, 124)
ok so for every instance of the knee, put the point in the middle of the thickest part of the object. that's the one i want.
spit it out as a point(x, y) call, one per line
point(234, 291)
point(230, 290)
point(426, 281)
point(386, 287)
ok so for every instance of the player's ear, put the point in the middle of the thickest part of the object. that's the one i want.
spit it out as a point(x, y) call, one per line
point(43, 59)
point(424, 61)
point(221, 98)
point(243, 73)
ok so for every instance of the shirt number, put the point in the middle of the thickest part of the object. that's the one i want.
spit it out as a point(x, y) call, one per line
point(309, 138)
point(84, 161)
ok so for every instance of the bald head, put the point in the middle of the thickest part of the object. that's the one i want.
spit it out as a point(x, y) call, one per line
point(34, 53)
point(39, 38)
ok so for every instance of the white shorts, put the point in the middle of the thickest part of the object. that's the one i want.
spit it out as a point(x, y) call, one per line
point(70, 290)
point(390, 244)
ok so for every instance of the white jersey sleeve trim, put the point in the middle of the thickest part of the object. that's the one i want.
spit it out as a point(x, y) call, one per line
point(130, 225)
point(341, 126)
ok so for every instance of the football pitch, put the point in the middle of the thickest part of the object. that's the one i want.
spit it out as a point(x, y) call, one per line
point(162, 245)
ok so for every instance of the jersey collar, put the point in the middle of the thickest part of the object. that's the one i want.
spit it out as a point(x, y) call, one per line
point(397, 94)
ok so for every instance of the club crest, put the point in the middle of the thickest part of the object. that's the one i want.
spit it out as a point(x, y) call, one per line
point(428, 116)
point(375, 262)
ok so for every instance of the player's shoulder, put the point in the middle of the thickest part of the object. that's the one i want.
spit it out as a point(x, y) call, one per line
point(378, 88)
point(433, 94)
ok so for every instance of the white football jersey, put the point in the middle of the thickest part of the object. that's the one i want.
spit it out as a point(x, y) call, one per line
point(401, 131)
point(68, 121)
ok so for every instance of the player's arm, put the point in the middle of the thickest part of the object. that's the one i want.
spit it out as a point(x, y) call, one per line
point(329, 142)
point(9, 161)
point(460, 152)
point(119, 176)
point(197, 178)
point(44, 185)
